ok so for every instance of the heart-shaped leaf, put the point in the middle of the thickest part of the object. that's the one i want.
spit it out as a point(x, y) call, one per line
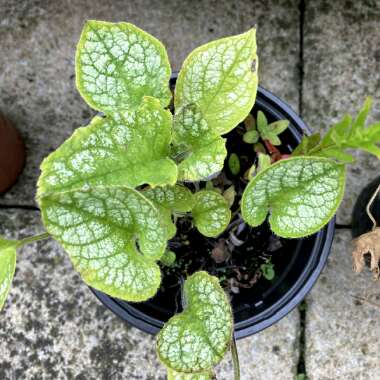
point(205, 150)
point(170, 199)
point(172, 375)
point(198, 338)
point(211, 213)
point(221, 78)
point(100, 229)
point(127, 149)
point(7, 267)
point(301, 193)
point(118, 64)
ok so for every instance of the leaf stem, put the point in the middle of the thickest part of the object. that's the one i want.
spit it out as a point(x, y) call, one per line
point(319, 148)
point(31, 239)
point(183, 298)
point(369, 204)
point(235, 359)
point(270, 147)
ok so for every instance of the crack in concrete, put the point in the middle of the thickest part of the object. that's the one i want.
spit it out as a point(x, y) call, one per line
point(301, 9)
point(19, 207)
point(301, 367)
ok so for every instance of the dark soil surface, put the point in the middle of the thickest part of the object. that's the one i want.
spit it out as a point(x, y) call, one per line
point(235, 256)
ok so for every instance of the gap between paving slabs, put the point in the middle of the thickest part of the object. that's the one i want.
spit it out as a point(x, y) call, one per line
point(301, 368)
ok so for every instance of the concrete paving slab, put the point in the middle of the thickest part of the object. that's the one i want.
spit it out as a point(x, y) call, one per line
point(271, 354)
point(342, 333)
point(341, 67)
point(53, 327)
point(38, 39)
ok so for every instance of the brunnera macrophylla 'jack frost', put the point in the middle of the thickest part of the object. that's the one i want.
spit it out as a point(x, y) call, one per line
point(110, 194)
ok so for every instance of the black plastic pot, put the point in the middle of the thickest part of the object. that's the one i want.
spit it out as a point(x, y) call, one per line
point(259, 309)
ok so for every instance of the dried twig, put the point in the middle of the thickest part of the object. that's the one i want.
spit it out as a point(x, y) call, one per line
point(368, 243)
point(368, 208)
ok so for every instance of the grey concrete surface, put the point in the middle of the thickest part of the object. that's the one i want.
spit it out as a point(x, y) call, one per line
point(325, 58)
point(271, 354)
point(342, 332)
point(53, 327)
point(341, 67)
point(38, 40)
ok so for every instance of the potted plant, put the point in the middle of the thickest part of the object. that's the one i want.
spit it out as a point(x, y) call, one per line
point(163, 207)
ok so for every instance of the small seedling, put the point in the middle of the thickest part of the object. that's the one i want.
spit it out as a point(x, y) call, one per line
point(168, 258)
point(271, 131)
point(234, 164)
point(251, 136)
point(267, 269)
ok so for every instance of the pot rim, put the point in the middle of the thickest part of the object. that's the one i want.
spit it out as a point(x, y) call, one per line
point(293, 296)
